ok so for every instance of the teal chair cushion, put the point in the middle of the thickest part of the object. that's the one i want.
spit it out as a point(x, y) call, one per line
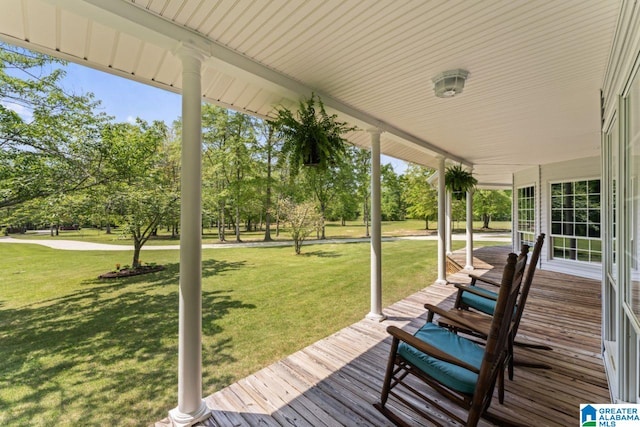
point(484, 305)
point(453, 376)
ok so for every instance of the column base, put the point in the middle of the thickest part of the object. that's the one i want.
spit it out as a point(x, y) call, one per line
point(179, 419)
point(376, 317)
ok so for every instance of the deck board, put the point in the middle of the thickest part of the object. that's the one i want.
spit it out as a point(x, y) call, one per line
point(335, 381)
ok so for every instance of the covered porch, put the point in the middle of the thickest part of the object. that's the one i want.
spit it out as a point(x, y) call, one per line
point(335, 381)
point(542, 76)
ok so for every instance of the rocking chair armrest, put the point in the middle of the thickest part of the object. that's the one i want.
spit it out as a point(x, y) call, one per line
point(465, 288)
point(454, 317)
point(426, 348)
point(483, 279)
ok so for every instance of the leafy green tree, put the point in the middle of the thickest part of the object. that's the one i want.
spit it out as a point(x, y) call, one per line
point(361, 160)
point(231, 169)
point(392, 204)
point(420, 197)
point(488, 204)
point(346, 206)
point(458, 212)
point(50, 139)
point(215, 185)
point(146, 191)
point(242, 170)
point(269, 149)
point(331, 188)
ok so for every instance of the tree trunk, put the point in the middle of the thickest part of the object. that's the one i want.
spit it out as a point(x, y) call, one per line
point(221, 225)
point(278, 220)
point(267, 202)
point(322, 209)
point(107, 212)
point(366, 217)
point(137, 246)
point(237, 221)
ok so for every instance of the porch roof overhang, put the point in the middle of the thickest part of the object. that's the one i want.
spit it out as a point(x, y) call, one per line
point(532, 96)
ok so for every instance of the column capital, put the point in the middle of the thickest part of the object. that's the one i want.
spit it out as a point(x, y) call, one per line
point(189, 51)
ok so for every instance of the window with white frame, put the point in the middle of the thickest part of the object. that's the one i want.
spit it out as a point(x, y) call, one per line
point(575, 220)
point(526, 205)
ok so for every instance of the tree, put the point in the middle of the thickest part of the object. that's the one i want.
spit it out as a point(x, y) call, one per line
point(321, 184)
point(303, 219)
point(392, 205)
point(420, 197)
point(146, 190)
point(231, 169)
point(271, 145)
point(490, 203)
point(362, 176)
point(49, 139)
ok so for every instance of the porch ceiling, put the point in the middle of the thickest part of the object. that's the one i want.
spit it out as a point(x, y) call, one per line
point(532, 96)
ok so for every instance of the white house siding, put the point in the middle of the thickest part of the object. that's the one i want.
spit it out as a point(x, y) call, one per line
point(621, 323)
point(542, 177)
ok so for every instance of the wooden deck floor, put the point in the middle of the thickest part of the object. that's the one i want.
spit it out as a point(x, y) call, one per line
point(335, 381)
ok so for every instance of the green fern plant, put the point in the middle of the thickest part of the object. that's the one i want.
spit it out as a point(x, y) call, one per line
point(310, 136)
point(459, 181)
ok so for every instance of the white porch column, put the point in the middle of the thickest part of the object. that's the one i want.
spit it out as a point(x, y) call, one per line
point(191, 408)
point(469, 248)
point(449, 222)
point(442, 253)
point(376, 230)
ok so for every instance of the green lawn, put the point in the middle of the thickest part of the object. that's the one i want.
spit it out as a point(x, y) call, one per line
point(79, 351)
point(333, 230)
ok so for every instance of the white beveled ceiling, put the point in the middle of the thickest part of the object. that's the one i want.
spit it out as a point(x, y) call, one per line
point(532, 96)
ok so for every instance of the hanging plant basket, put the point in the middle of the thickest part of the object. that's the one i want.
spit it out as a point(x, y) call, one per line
point(310, 136)
point(459, 181)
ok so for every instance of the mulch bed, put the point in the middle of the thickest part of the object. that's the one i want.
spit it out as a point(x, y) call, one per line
point(128, 272)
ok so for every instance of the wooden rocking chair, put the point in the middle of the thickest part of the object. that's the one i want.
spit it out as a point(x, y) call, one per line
point(454, 366)
point(483, 300)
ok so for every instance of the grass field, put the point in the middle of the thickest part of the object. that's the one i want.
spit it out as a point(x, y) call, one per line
point(76, 350)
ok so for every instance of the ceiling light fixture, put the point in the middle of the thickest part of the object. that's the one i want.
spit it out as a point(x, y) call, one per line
point(449, 83)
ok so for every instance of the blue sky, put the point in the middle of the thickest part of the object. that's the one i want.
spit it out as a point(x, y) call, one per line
point(125, 99)
point(122, 98)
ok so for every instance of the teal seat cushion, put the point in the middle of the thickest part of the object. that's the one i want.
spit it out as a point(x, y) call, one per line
point(453, 376)
point(484, 305)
